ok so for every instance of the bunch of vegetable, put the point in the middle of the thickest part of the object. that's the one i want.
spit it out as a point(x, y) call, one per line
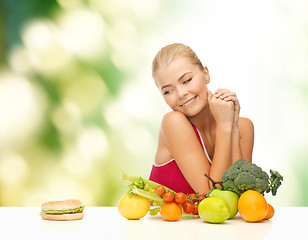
point(186, 203)
point(145, 188)
point(244, 175)
point(169, 203)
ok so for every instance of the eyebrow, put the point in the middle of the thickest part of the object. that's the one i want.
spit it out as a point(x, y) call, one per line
point(168, 85)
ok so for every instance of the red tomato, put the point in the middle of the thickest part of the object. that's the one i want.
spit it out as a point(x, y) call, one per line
point(201, 197)
point(192, 198)
point(159, 190)
point(188, 207)
point(195, 209)
point(168, 197)
point(179, 198)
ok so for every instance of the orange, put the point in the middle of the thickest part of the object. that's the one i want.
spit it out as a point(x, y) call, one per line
point(171, 211)
point(270, 212)
point(252, 206)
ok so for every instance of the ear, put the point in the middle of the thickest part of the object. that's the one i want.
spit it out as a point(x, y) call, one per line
point(208, 78)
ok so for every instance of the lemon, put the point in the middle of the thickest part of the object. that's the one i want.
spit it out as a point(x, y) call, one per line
point(134, 207)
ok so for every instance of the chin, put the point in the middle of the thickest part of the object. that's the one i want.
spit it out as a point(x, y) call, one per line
point(191, 113)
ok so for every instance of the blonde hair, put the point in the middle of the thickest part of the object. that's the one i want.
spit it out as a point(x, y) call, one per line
point(170, 52)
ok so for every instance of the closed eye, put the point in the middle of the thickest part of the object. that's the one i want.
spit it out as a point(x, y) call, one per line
point(187, 81)
point(167, 92)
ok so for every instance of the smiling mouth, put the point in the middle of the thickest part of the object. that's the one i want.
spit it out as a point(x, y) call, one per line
point(189, 101)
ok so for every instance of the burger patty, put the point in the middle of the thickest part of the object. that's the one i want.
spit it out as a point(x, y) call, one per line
point(79, 211)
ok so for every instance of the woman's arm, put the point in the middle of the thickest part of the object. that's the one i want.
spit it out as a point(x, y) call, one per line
point(242, 130)
point(223, 113)
point(222, 158)
point(242, 140)
point(246, 138)
point(184, 146)
point(236, 146)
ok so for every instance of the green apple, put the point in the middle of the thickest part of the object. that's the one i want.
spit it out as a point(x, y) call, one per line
point(213, 210)
point(230, 197)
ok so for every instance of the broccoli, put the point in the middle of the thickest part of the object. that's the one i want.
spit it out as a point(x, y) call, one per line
point(243, 176)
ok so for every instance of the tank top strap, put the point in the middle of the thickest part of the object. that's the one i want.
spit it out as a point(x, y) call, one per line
point(201, 142)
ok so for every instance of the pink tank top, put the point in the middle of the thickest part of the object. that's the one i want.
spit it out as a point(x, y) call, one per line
point(170, 175)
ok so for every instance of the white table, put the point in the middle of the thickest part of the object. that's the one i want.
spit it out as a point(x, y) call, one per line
point(107, 223)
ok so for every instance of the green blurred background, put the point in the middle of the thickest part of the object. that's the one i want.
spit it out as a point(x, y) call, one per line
point(78, 105)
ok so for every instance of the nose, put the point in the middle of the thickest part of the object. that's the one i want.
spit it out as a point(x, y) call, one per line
point(182, 91)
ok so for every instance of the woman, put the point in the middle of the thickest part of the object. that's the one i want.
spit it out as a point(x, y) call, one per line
point(203, 133)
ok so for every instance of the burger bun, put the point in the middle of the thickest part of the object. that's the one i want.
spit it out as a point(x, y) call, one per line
point(63, 217)
point(64, 205)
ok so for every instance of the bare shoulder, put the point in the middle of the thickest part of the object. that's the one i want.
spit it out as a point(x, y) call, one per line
point(174, 116)
point(174, 121)
point(174, 127)
point(245, 124)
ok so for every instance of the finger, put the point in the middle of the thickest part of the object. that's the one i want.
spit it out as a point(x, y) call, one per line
point(237, 108)
point(220, 92)
point(222, 89)
point(235, 101)
point(228, 94)
point(231, 98)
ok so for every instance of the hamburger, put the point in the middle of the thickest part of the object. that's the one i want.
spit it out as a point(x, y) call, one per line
point(66, 210)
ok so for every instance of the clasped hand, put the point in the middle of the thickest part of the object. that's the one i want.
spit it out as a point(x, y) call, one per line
point(225, 107)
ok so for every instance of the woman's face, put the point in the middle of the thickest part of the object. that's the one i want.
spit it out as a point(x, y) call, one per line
point(183, 85)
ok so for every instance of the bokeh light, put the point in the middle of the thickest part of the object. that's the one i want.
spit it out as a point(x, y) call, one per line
point(45, 51)
point(22, 108)
point(66, 117)
point(82, 32)
point(13, 169)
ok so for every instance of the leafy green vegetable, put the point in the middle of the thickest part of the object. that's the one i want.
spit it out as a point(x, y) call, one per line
point(143, 183)
point(275, 182)
point(243, 176)
point(149, 195)
point(154, 211)
point(145, 188)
